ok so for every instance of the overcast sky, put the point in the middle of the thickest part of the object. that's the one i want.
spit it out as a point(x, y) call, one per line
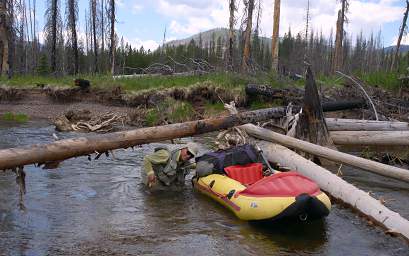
point(142, 22)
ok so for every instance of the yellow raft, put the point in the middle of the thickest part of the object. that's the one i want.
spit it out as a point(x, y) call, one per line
point(281, 195)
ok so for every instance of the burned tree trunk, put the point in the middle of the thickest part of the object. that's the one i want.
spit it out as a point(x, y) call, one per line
point(402, 30)
point(247, 37)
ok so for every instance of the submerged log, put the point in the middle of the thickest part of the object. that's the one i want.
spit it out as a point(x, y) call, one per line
point(338, 124)
point(339, 189)
point(329, 154)
point(371, 138)
point(64, 149)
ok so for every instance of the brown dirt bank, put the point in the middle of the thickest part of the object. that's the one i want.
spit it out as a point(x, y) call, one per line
point(50, 102)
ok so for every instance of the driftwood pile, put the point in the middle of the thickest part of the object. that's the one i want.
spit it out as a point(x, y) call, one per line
point(84, 121)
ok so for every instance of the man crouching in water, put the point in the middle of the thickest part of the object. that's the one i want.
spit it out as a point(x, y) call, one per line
point(165, 168)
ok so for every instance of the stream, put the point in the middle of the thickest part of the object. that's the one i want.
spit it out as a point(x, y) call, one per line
point(99, 207)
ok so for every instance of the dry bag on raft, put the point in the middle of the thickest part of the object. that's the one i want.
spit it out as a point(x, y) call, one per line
point(215, 162)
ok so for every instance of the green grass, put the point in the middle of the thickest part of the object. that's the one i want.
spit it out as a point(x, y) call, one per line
point(213, 109)
point(226, 80)
point(222, 79)
point(182, 111)
point(171, 110)
point(15, 117)
point(386, 80)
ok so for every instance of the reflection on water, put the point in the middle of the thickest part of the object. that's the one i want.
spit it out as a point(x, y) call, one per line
point(100, 208)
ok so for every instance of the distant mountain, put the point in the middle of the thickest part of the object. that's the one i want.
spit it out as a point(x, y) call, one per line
point(403, 48)
point(208, 36)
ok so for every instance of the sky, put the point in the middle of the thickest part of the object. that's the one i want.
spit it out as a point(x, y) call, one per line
point(143, 22)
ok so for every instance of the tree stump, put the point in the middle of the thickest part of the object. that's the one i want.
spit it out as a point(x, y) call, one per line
point(311, 126)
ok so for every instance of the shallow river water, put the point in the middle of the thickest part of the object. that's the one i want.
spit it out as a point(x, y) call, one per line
point(100, 208)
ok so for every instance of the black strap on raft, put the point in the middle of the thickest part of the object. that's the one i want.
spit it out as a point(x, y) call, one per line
point(260, 151)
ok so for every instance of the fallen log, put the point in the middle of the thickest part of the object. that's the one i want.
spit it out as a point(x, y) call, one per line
point(338, 124)
point(64, 149)
point(339, 189)
point(343, 105)
point(277, 93)
point(270, 92)
point(371, 138)
point(329, 154)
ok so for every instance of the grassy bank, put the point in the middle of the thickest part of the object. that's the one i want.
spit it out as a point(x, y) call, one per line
point(386, 80)
point(225, 80)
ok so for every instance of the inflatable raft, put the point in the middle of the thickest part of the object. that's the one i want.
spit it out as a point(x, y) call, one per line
point(252, 196)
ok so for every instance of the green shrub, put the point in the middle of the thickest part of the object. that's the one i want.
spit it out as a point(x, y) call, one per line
point(18, 117)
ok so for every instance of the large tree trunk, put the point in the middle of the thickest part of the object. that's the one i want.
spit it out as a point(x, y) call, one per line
point(338, 124)
point(329, 154)
point(64, 149)
point(402, 30)
point(4, 38)
point(232, 9)
point(275, 38)
point(247, 37)
point(340, 189)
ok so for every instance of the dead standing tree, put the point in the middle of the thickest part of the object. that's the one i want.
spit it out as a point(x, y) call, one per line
point(52, 30)
point(275, 40)
point(339, 37)
point(311, 125)
point(247, 36)
point(4, 37)
point(401, 32)
point(112, 46)
point(232, 8)
point(72, 13)
point(94, 32)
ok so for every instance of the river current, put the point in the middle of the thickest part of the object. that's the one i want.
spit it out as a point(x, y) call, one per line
point(99, 207)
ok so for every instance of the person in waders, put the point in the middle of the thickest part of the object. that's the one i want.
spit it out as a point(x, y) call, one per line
point(167, 168)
